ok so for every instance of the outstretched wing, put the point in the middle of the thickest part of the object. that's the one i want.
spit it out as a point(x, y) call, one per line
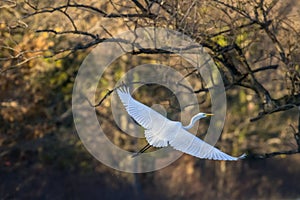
point(148, 118)
point(190, 144)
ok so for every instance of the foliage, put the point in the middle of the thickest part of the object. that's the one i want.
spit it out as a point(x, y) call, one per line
point(254, 44)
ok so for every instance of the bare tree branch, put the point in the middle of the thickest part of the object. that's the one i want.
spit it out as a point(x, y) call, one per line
point(91, 8)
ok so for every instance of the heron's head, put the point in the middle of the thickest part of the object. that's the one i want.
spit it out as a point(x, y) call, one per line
point(202, 115)
point(195, 118)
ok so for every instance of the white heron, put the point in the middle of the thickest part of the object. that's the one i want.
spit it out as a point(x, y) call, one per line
point(161, 132)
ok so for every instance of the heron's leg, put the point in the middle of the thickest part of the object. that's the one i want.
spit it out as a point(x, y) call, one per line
point(142, 150)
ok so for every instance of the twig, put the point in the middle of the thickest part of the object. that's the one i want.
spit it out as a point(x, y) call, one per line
point(277, 153)
point(10, 4)
point(277, 109)
point(100, 102)
point(270, 155)
point(76, 32)
point(91, 8)
point(19, 64)
point(140, 6)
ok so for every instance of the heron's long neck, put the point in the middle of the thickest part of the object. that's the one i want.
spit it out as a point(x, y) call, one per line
point(192, 122)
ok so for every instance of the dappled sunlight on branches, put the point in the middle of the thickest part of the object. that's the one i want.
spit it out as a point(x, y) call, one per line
point(254, 44)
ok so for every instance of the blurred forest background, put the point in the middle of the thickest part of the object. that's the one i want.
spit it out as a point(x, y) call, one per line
point(255, 45)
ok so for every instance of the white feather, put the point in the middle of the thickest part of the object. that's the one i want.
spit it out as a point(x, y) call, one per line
point(148, 118)
point(190, 144)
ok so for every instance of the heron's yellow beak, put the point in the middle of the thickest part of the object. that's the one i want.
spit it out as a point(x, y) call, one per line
point(209, 115)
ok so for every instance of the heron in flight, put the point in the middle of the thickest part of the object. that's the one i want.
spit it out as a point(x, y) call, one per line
point(161, 132)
